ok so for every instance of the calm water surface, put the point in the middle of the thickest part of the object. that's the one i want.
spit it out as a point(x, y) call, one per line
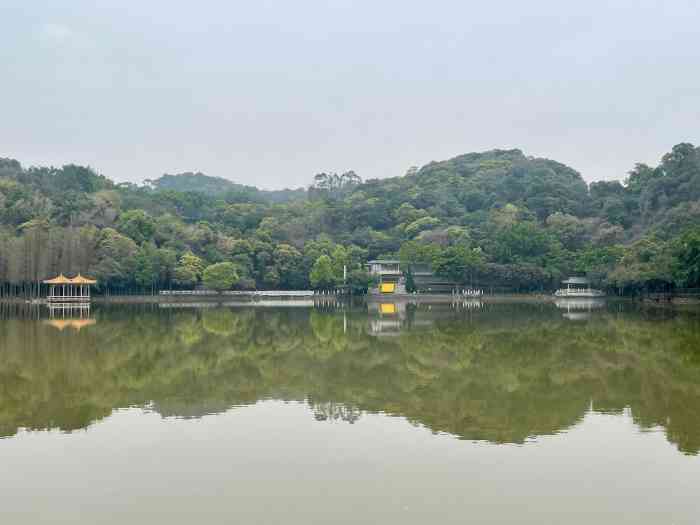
point(386, 414)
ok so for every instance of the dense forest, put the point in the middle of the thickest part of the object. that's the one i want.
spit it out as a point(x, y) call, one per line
point(497, 219)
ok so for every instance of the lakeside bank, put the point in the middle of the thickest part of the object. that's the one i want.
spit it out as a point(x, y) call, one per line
point(325, 299)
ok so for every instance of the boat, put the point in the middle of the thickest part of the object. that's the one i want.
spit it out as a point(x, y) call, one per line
point(578, 287)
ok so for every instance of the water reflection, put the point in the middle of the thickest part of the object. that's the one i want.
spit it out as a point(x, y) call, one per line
point(387, 318)
point(393, 318)
point(333, 412)
point(579, 308)
point(76, 324)
point(501, 373)
point(70, 315)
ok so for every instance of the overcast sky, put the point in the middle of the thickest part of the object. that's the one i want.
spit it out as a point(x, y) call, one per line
point(272, 92)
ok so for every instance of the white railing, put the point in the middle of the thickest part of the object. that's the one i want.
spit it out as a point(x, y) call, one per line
point(188, 292)
point(252, 293)
point(275, 293)
point(579, 292)
point(67, 298)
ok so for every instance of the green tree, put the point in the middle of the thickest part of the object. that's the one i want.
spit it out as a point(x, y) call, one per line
point(289, 267)
point(521, 242)
point(220, 276)
point(146, 266)
point(646, 265)
point(415, 252)
point(687, 264)
point(458, 263)
point(184, 276)
point(115, 259)
point(138, 225)
point(322, 276)
point(189, 270)
point(166, 261)
point(359, 281)
point(410, 281)
point(340, 259)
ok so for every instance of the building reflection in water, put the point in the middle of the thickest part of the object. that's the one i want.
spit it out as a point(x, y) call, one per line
point(390, 319)
point(334, 412)
point(386, 319)
point(69, 315)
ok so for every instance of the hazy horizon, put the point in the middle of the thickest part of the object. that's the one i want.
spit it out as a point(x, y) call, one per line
point(268, 94)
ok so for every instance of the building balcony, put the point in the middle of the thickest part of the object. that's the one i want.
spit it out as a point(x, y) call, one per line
point(384, 267)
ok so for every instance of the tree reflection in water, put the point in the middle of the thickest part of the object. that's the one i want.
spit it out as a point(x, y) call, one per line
point(501, 373)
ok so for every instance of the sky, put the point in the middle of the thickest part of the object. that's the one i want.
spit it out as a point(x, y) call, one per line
point(272, 92)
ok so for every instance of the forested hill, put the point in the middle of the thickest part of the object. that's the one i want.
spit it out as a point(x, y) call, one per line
point(480, 181)
point(476, 183)
point(490, 219)
point(220, 187)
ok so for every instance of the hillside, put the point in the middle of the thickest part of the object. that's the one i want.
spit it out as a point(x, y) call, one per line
point(496, 219)
point(479, 181)
point(220, 187)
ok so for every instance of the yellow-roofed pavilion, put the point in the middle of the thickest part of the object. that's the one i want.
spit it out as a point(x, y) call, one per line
point(64, 289)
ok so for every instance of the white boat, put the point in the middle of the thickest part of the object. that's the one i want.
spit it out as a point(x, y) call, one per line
point(578, 287)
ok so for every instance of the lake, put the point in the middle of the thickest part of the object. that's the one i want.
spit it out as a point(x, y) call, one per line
point(537, 413)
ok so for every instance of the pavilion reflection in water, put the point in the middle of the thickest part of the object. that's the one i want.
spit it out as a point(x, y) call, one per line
point(69, 315)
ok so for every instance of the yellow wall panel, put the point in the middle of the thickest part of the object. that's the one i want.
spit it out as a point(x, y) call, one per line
point(387, 308)
point(388, 287)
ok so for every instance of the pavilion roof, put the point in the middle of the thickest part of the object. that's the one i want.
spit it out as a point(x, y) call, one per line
point(576, 280)
point(60, 279)
point(79, 279)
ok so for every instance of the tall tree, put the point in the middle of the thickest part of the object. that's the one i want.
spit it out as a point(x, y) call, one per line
point(220, 276)
point(322, 276)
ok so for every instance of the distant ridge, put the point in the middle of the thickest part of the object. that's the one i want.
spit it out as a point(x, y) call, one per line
point(220, 187)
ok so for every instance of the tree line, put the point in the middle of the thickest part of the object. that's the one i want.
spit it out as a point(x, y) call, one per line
point(493, 219)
